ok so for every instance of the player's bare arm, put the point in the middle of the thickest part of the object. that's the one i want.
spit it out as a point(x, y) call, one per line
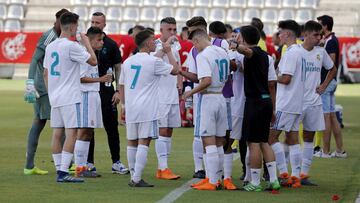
point(242, 49)
point(169, 54)
point(85, 41)
point(331, 74)
point(204, 83)
point(284, 79)
point(104, 78)
point(272, 90)
point(190, 76)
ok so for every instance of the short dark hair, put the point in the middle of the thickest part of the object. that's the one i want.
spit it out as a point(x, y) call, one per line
point(139, 27)
point(290, 25)
point(150, 29)
point(196, 21)
point(184, 29)
point(92, 31)
point(142, 36)
point(197, 32)
point(69, 18)
point(168, 20)
point(256, 22)
point(130, 31)
point(327, 21)
point(311, 26)
point(98, 13)
point(217, 27)
point(59, 13)
point(228, 26)
point(250, 34)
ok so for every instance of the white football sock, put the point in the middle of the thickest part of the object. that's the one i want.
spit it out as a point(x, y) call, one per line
point(228, 163)
point(295, 160)
point(168, 145)
point(280, 157)
point(131, 157)
point(81, 151)
point(161, 152)
point(255, 176)
point(221, 162)
point(66, 158)
point(205, 165)
point(198, 154)
point(247, 165)
point(57, 161)
point(271, 166)
point(212, 162)
point(286, 152)
point(307, 157)
point(141, 159)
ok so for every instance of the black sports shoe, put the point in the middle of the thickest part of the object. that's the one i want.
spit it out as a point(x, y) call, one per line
point(141, 183)
point(316, 149)
point(307, 182)
point(199, 174)
point(242, 177)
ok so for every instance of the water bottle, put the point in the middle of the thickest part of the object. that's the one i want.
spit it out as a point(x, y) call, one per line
point(78, 36)
point(108, 72)
point(189, 100)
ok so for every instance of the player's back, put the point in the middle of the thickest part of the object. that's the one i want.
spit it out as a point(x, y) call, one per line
point(62, 59)
point(140, 76)
point(215, 61)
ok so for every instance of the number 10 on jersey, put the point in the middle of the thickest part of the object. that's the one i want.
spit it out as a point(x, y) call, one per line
point(136, 77)
point(223, 66)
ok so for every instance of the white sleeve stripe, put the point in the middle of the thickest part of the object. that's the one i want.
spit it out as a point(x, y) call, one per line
point(49, 38)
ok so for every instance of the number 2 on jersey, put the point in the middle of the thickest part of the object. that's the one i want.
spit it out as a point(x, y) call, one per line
point(223, 66)
point(53, 72)
point(137, 68)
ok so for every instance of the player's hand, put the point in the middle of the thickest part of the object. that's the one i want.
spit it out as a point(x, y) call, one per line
point(320, 89)
point(233, 45)
point(186, 95)
point(171, 39)
point(30, 94)
point(273, 119)
point(84, 39)
point(179, 87)
point(106, 78)
point(116, 98)
point(122, 112)
point(166, 47)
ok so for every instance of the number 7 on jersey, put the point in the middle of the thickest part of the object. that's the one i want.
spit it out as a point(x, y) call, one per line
point(136, 77)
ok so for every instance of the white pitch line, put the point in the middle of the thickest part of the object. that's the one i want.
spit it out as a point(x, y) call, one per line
point(175, 194)
point(358, 199)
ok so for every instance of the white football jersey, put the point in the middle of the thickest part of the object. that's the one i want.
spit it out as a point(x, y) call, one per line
point(213, 62)
point(311, 63)
point(289, 98)
point(168, 83)
point(191, 62)
point(62, 59)
point(89, 71)
point(238, 100)
point(140, 76)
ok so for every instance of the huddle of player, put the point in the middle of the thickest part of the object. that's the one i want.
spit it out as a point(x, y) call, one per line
point(226, 107)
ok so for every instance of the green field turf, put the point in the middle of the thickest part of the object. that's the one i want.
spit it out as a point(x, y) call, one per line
point(335, 176)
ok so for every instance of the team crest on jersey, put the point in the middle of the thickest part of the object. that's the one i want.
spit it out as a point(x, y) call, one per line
point(318, 57)
point(104, 50)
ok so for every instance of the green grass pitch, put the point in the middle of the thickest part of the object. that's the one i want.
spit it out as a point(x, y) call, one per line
point(334, 176)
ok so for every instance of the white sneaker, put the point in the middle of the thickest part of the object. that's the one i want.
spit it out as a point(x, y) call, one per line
point(324, 155)
point(119, 168)
point(339, 154)
point(318, 153)
point(321, 154)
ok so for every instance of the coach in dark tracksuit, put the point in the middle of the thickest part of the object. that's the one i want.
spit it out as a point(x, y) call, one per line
point(108, 57)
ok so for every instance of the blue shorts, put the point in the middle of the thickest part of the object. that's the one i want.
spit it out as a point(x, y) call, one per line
point(328, 97)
